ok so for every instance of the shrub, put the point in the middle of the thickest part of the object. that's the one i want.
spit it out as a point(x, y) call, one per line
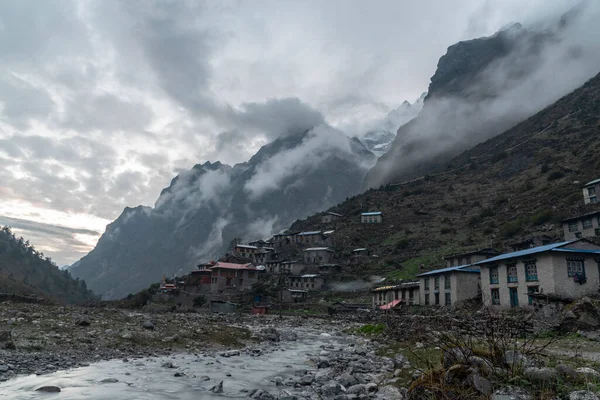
point(487, 212)
point(371, 329)
point(511, 229)
point(199, 301)
point(554, 175)
point(447, 230)
point(402, 244)
point(541, 217)
point(545, 168)
point(474, 220)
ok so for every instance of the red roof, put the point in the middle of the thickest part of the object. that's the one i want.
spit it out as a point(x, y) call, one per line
point(390, 305)
point(225, 265)
point(204, 270)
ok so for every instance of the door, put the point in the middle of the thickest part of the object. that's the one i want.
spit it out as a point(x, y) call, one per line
point(514, 297)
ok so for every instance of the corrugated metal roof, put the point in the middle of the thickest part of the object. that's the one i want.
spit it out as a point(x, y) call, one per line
point(309, 276)
point(233, 266)
point(595, 181)
point(582, 216)
point(359, 249)
point(334, 214)
point(309, 233)
point(390, 305)
point(328, 232)
point(577, 251)
point(367, 214)
point(460, 268)
point(486, 251)
point(522, 253)
point(246, 246)
point(318, 249)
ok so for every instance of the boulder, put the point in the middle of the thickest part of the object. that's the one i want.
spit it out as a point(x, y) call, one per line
point(48, 389)
point(588, 373)
point(583, 395)
point(218, 388)
point(514, 358)
point(83, 321)
point(541, 375)
point(483, 365)
point(357, 389)
point(269, 334)
point(109, 380)
point(511, 393)
point(148, 325)
point(389, 392)
point(230, 353)
point(567, 372)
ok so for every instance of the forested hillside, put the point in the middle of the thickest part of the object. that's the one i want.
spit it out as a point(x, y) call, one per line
point(24, 270)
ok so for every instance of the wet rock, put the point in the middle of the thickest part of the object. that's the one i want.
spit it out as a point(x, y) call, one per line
point(109, 380)
point(4, 368)
point(83, 321)
point(357, 389)
point(371, 387)
point(288, 336)
point(285, 395)
point(168, 364)
point(347, 380)
point(307, 380)
point(148, 325)
point(218, 388)
point(511, 393)
point(259, 394)
point(48, 389)
point(270, 334)
point(332, 389)
point(323, 363)
point(230, 353)
point(541, 375)
point(204, 378)
point(178, 374)
point(583, 395)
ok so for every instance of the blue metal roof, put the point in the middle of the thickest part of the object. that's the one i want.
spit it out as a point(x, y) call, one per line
point(577, 251)
point(367, 214)
point(528, 252)
point(595, 181)
point(460, 268)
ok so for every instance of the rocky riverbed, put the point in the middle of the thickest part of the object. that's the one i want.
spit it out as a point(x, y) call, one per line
point(82, 350)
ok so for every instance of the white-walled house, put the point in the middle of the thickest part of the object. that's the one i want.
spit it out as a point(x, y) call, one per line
point(403, 293)
point(582, 226)
point(567, 269)
point(373, 217)
point(590, 191)
point(447, 286)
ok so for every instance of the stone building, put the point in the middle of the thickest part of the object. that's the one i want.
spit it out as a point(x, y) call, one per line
point(308, 282)
point(567, 269)
point(404, 293)
point(372, 217)
point(233, 276)
point(318, 255)
point(447, 286)
point(582, 226)
point(590, 191)
point(330, 217)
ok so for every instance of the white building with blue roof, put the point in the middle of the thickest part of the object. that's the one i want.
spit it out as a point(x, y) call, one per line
point(371, 217)
point(568, 270)
point(447, 286)
point(591, 191)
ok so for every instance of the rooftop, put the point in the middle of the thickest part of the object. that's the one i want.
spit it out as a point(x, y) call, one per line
point(328, 232)
point(334, 214)
point(309, 233)
point(399, 286)
point(246, 246)
point(487, 252)
point(460, 268)
point(225, 265)
point(559, 247)
point(309, 276)
point(594, 182)
point(590, 214)
point(371, 213)
point(318, 249)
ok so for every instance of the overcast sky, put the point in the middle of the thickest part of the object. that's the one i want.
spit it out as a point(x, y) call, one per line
point(103, 102)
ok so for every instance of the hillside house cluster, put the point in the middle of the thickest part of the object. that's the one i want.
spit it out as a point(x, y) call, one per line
point(583, 226)
point(217, 277)
point(566, 270)
point(330, 217)
point(590, 192)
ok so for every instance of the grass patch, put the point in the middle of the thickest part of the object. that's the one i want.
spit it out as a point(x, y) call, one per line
point(371, 330)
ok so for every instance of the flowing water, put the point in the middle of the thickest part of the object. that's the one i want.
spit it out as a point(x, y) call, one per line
point(146, 379)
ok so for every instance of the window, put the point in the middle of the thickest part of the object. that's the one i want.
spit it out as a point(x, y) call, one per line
point(411, 294)
point(468, 260)
point(447, 300)
point(593, 199)
point(578, 235)
point(447, 282)
point(427, 299)
point(531, 271)
point(587, 223)
point(575, 267)
point(511, 273)
point(213, 280)
point(591, 191)
point(493, 275)
point(573, 226)
point(437, 299)
point(437, 283)
point(530, 290)
point(495, 297)
point(597, 231)
point(426, 283)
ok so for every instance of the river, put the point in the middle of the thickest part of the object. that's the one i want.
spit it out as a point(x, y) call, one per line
point(148, 379)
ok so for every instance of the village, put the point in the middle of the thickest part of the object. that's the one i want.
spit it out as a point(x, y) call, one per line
point(293, 268)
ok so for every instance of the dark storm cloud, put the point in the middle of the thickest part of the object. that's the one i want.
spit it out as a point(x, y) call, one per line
point(57, 230)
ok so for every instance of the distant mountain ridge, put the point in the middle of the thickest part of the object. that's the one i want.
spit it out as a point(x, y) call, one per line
point(203, 209)
point(484, 86)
